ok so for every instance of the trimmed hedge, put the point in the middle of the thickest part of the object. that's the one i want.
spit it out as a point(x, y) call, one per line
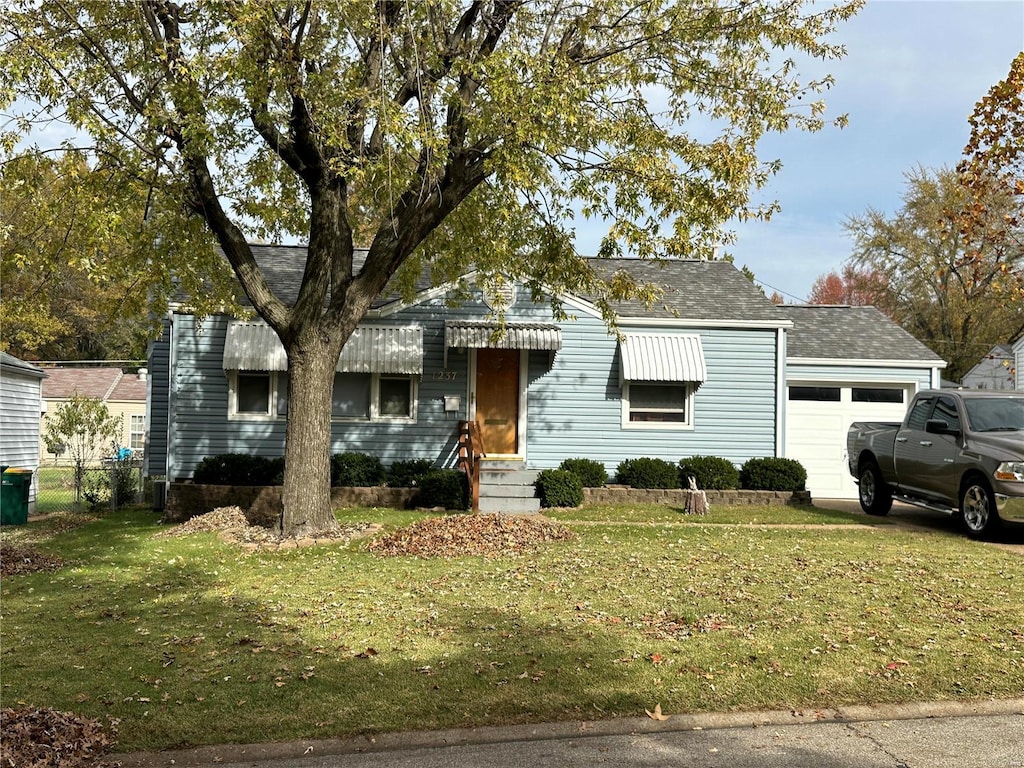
point(648, 473)
point(591, 473)
point(713, 473)
point(408, 474)
point(448, 488)
point(773, 474)
point(239, 469)
point(559, 488)
point(356, 470)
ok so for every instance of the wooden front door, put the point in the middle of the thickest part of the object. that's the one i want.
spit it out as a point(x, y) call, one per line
point(497, 399)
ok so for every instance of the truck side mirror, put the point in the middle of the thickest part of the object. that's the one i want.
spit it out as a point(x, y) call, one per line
point(939, 427)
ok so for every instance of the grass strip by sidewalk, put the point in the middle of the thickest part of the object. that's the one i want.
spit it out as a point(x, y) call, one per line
point(192, 641)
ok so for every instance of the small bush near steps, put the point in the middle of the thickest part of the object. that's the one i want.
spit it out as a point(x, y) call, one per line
point(559, 488)
point(591, 473)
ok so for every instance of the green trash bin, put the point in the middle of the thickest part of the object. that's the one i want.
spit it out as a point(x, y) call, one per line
point(15, 487)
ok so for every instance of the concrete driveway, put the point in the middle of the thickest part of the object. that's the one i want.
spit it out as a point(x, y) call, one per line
point(911, 517)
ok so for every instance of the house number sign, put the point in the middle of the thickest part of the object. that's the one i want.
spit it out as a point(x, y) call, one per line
point(445, 375)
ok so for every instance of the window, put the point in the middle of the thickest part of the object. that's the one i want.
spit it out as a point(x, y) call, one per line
point(137, 432)
point(877, 395)
point(946, 411)
point(656, 405)
point(351, 396)
point(815, 394)
point(256, 394)
point(354, 397)
point(919, 414)
point(396, 397)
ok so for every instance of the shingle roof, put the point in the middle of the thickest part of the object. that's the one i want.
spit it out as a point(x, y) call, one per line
point(850, 333)
point(12, 363)
point(102, 383)
point(692, 290)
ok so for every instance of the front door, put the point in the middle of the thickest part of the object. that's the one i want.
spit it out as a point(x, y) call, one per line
point(497, 399)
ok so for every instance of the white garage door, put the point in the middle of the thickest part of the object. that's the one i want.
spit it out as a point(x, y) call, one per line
point(818, 415)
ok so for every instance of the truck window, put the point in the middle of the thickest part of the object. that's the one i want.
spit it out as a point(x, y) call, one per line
point(919, 413)
point(945, 410)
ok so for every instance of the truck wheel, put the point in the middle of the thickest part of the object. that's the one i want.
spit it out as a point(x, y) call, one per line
point(978, 509)
point(875, 493)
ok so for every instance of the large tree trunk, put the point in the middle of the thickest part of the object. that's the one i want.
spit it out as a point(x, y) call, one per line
point(306, 496)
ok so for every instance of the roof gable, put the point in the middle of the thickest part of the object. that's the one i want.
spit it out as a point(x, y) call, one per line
point(101, 383)
point(822, 332)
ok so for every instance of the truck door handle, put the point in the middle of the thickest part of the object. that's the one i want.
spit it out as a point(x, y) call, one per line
point(901, 439)
point(926, 443)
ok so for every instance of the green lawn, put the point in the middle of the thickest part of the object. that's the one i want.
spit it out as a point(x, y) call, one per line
point(191, 641)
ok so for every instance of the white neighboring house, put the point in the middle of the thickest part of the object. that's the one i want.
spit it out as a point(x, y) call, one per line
point(995, 371)
point(21, 405)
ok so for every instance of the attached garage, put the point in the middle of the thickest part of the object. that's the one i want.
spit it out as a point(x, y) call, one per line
point(845, 364)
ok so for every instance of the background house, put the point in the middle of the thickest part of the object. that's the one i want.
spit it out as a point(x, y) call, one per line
point(20, 407)
point(846, 364)
point(997, 370)
point(124, 394)
point(1018, 361)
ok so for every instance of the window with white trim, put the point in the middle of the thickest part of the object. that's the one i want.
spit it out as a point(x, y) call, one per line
point(657, 405)
point(255, 394)
point(137, 432)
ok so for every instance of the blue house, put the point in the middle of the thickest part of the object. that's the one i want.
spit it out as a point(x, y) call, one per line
point(701, 372)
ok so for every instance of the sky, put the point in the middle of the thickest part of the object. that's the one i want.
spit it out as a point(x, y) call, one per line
point(913, 72)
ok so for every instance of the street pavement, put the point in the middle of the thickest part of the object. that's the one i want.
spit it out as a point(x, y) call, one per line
point(937, 735)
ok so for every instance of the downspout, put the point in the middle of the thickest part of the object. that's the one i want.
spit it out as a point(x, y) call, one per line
point(780, 393)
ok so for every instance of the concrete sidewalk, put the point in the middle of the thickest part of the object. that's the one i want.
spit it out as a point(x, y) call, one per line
point(930, 735)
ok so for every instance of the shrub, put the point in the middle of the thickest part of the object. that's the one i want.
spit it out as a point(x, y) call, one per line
point(712, 473)
point(648, 473)
point(448, 488)
point(559, 488)
point(407, 474)
point(772, 474)
point(239, 469)
point(591, 473)
point(356, 470)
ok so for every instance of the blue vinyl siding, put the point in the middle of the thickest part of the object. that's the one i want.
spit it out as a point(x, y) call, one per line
point(158, 365)
point(575, 409)
point(574, 404)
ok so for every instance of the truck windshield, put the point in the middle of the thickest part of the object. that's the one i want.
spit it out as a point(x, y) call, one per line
point(995, 414)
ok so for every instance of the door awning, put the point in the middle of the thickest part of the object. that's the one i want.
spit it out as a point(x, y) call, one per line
point(662, 357)
point(479, 334)
point(253, 346)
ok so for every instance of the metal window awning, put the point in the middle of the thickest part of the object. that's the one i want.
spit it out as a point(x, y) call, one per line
point(480, 334)
point(253, 346)
point(662, 357)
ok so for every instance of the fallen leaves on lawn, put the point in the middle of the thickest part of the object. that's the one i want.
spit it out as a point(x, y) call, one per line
point(46, 738)
point(232, 525)
point(476, 534)
point(21, 558)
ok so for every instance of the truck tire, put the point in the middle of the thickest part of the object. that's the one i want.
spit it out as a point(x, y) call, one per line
point(875, 494)
point(978, 513)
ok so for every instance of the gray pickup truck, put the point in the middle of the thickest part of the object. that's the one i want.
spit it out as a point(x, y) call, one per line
point(957, 451)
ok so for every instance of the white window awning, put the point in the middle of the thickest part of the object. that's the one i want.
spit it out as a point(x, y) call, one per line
point(253, 346)
point(662, 357)
point(479, 334)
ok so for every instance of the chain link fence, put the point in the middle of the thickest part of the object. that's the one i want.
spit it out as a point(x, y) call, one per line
point(108, 485)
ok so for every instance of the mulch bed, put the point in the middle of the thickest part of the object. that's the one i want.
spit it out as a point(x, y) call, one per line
point(46, 738)
point(489, 535)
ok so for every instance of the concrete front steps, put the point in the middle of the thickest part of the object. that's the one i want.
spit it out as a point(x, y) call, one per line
point(507, 486)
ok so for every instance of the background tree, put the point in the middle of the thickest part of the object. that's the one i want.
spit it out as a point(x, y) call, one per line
point(71, 288)
point(439, 134)
point(854, 287)
point(83, 428)
point(991, 220)
point(949, 293)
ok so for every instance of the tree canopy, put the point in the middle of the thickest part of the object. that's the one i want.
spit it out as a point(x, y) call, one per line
point(437, 134)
